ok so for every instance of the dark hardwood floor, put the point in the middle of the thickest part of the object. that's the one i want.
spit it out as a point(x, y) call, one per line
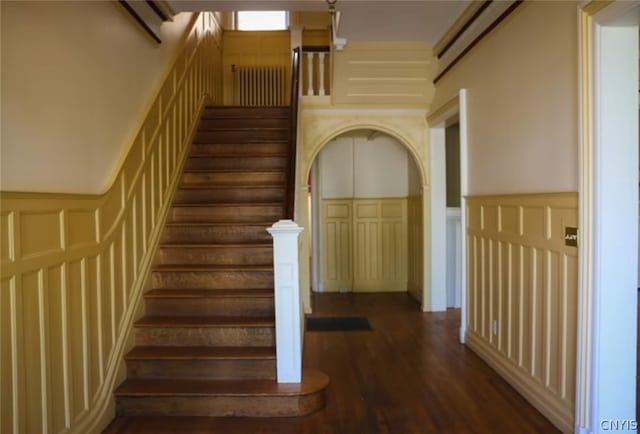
point(409, 375)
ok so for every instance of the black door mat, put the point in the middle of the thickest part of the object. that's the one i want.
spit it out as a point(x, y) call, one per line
point(337, 324)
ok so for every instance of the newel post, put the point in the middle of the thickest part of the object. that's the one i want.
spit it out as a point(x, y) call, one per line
point(287, 301)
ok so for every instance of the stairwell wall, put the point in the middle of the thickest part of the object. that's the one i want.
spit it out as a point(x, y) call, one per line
point(76, 80)
point(73, 267)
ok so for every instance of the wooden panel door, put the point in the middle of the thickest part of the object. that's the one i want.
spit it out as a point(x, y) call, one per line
point(337, 240)
point(380, 245)
point(365, 245)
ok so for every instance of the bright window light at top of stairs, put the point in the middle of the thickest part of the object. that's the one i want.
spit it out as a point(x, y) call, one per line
point(262, 20)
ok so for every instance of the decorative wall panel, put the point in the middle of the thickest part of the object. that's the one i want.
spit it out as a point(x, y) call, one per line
point(398, 74)
point(522, 295)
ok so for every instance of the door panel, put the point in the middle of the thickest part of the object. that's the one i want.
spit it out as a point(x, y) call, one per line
point(365, 244)
point(337, 231)
point(380, 246)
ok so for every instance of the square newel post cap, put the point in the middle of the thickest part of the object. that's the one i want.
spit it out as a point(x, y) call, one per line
point(285, 227)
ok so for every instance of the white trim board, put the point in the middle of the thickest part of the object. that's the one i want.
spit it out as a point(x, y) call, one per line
point(608, 211)
point(436, 300)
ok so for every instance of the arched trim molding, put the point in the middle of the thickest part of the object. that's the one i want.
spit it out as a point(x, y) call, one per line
point(319, 128)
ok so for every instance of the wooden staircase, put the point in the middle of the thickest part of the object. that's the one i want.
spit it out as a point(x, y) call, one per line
point(206, 344)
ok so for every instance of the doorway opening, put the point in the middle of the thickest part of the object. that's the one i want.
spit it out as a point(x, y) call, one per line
point(442, 123)
point(454, 214)
point(366, 216)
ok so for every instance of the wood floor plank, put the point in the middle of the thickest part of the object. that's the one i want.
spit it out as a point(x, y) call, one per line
point(409, 375)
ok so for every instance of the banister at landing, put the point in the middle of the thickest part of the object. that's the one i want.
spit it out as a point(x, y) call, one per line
point(315, 70)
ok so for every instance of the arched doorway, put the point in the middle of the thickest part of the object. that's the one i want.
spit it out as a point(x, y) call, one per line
point(366, 215)
point(318, 128)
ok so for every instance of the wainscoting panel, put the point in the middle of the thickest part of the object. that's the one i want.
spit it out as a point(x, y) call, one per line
point(522, 295)
point(74, 266)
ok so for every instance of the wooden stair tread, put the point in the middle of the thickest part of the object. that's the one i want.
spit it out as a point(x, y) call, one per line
point(235, 155)
point(209, 293)
point(213, 245)
point(266, 141)
point(215, 186)
point(213, 267)
point(217, 114)
point(265, 224)
point(201, 353)
point(313, 381)
point(234, 170)
point(235, 117)
point(227, 204)
point(206, 321)
point(273, 112)
point(212, 186)
point(243, 129)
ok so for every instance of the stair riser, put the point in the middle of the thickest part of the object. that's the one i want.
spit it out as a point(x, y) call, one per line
point(226, 214)
point(216, 234)
point(244, 112)
point(246, 195)
point(241, 306)
point(206, 336)
point(212, 279)
point(214, 123)
point(240, 136)
point(221, 406)
point(251, 149)
point(216, 255)
point(248, 164)
point(203, 369)
point(234, 178)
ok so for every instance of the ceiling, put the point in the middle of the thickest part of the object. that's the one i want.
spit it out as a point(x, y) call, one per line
point(360, 20)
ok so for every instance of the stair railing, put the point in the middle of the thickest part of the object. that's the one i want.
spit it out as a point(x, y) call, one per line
point(290, 190)
point(288, 309)
point(316, 69)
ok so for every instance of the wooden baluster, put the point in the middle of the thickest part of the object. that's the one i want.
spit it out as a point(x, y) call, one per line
point(310, 90)
point(321, 91)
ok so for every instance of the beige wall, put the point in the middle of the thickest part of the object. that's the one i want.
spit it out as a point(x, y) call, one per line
point(522, 102)
point(73, 267)
point(75, 78)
